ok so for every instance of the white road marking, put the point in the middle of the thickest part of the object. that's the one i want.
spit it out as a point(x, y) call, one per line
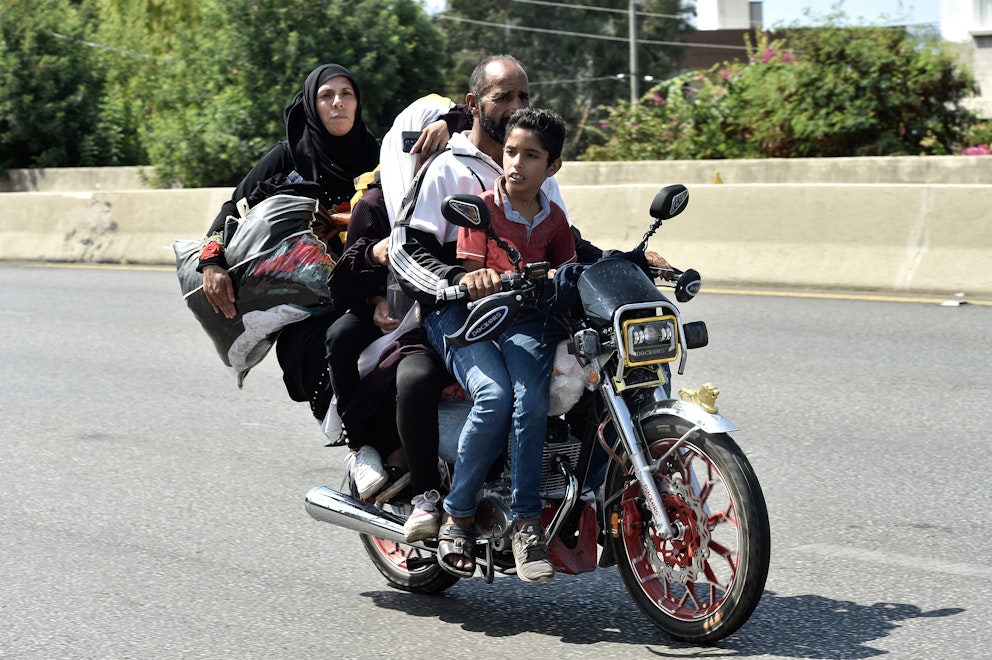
point(891, 559)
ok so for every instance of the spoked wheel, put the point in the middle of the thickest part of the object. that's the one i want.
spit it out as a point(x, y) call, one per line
point(704, 583)
point(406, 567)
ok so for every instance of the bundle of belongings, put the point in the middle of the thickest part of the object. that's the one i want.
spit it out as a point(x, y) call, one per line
point(279, 269)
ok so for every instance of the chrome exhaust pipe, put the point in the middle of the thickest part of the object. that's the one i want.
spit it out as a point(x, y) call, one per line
point(330, 506)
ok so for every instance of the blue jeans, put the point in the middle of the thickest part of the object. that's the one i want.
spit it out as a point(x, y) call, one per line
point(509, 384)
point(528, 348)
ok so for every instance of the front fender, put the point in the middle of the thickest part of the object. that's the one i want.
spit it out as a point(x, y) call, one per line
point(690, 412)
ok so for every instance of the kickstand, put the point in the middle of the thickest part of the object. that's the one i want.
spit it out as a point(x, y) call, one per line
point(489, 572)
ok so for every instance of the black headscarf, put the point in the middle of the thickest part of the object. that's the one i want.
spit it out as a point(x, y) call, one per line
point(332, 162)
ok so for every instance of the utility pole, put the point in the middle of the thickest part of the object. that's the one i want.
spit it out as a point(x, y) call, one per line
point(634, 75)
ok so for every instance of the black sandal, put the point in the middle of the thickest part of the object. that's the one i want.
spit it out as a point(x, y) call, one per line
point(459, 540)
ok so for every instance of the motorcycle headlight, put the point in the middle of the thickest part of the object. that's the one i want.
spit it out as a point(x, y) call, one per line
point(650, 340)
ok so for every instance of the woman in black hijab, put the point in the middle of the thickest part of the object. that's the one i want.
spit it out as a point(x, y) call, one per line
point(327, 145)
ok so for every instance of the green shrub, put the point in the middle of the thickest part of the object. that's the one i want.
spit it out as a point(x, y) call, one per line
point(831, 91)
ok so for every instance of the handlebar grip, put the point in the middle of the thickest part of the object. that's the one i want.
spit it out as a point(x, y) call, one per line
point(510, 281)
point(657, 273)
point(455, 292)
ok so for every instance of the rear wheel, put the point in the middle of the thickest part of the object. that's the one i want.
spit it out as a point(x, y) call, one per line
point(404, 566)
point(704, 583)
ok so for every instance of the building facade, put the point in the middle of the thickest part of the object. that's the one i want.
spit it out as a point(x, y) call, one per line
point(968, 25)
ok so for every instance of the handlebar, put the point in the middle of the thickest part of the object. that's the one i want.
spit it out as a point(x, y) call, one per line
point(509, 281)
point(668, 276)
point(686, 283)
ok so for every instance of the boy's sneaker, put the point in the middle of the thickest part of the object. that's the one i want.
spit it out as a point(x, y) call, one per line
point(425, 521)
point(366, 470)
point(530, 552)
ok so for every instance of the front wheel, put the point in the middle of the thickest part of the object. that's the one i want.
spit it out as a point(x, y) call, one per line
point(704, 583)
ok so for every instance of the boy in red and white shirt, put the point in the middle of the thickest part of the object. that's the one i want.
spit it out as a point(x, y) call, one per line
point(523, 216)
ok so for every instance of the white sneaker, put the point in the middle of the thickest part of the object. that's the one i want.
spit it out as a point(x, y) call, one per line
point(425, 521)
point(366, 470)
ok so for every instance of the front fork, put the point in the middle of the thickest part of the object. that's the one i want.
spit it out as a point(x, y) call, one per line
point(640, 460)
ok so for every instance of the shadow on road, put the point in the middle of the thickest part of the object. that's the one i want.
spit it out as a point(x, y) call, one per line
point(811, 626)
point(806, 626)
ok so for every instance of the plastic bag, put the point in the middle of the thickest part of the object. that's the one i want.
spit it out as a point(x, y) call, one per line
point(568, 380)
point(279, 272)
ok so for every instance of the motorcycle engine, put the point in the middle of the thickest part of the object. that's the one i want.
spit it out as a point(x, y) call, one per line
point(493, 519)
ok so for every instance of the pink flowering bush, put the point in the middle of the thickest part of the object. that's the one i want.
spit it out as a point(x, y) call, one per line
point(825, 92)
point(979, 136)
point(771, 55)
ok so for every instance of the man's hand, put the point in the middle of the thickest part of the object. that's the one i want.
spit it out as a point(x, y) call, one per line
point(655, 260)
point(219, 290)
point(382, 318)
point(481, 283)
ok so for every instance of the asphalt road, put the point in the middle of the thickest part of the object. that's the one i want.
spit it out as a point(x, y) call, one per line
point(150, 509)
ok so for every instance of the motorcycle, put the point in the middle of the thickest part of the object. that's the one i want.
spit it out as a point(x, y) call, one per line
point(631, 476)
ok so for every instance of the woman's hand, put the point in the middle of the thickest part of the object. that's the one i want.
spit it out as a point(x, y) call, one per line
point(434, 136)
point(382, 318)
point(380, 252)
point(219, 290)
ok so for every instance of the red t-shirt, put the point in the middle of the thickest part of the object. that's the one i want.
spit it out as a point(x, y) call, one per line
point(550, 237)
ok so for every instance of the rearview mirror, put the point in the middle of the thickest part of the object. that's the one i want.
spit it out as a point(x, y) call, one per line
point(470, 212)
point(669, 202)
point(467, 211)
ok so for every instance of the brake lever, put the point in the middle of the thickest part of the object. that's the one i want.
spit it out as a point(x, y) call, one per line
point(660, 273)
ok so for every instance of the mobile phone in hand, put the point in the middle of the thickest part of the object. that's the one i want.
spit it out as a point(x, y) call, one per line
point(409, 139)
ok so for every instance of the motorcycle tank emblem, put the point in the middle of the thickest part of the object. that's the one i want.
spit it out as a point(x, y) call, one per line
point(486, 324)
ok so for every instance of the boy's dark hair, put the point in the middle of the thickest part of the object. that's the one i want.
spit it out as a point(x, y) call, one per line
point(546, 123)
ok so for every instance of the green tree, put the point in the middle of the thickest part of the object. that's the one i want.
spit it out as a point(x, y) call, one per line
point(137, 39)
point(218, 105)
point(50, 88)
point(829, 91)
point(572, 50)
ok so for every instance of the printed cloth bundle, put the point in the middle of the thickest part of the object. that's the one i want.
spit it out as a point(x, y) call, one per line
point(279, 269)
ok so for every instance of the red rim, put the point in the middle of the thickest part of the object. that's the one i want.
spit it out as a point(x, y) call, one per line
point(399, 553)
point(689, 577)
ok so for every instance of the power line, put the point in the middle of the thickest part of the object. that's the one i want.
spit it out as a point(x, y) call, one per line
point(93, 44)
point(616, 78)
point(584, 35)
point(586, 8)
point(576, 80)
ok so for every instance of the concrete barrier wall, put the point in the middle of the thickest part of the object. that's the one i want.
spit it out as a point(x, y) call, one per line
point(902, 238)
point(74, 179)
point(927, 238)
point(902, 169)
point(112, 227)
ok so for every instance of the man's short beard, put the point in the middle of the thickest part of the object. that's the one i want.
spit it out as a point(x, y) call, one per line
point(496, 131)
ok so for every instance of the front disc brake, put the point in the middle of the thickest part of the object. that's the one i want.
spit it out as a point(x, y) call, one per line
point(680, 559)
